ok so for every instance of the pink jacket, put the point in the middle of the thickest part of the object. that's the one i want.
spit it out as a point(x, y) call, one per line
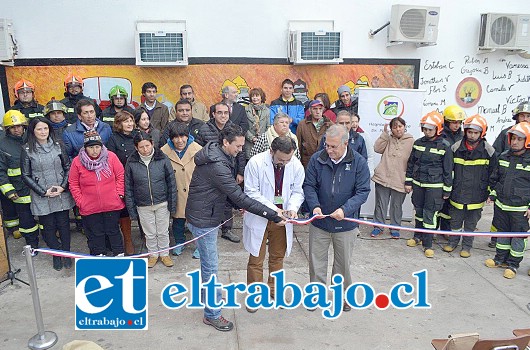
point(93, 196)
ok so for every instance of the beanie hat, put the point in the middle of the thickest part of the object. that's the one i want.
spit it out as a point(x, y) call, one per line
point(92, 138)
point(343, 88)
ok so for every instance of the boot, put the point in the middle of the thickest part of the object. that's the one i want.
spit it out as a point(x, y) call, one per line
point(125, 226)
point(57, 263)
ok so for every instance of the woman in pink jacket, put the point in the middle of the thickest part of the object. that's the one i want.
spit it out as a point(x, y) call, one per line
point(97, 183)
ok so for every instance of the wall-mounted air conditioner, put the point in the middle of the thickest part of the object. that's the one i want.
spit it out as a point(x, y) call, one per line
point(504, 31)
point(161, 43)
point(413, 24)
point(320, 47)
point(8, 45)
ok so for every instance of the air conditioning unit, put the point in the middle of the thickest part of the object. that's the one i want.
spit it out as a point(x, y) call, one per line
point(321, 47)
point(8, 45)
point(161, 43)
point(504, 31)
point(415, 24)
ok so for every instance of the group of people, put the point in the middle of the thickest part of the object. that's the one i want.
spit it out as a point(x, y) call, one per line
point(153, 163)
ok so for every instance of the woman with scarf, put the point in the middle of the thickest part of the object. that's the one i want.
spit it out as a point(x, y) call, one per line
point(258, 115)
point(280, 127)
point(97, 184)
point(45, 166)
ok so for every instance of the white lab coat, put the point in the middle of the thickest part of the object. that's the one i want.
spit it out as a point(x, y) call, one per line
point(259, 185)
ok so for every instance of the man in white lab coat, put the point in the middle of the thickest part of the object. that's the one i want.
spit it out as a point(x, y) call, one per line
point(275, 179)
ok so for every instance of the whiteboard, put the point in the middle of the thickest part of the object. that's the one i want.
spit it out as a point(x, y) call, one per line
point(377, 106)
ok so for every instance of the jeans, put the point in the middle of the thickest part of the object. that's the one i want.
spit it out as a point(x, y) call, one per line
point(207, 246)
point(179, 227)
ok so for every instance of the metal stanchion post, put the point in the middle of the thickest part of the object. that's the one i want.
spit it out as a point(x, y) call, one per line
point(43, 339)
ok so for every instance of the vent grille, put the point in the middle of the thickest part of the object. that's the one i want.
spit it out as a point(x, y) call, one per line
point(502, 30)
point(161, 47)
point(412, 23)
point(316, 46)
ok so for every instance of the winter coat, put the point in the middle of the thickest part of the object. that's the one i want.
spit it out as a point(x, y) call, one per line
point(209, 132)
point(339, 106)
point(293, 108)
point(430, 165)
point(159, 116)
point(149, 185)
point(330, 186)
point(355, 140)
point(70, 101)
point(198, 111)
point(43, 168)
point(33, 110)
point(395, 153)
point(471, 173)
point(73, 136)
point(258, 118)
point(450, 136)
point(211, 184)
point(183, 168)
point(10, 173)
point(309, 138)
point(122, 145)
point(108, 114)
point(238, 116)
point(328, 113)
point(94, 196)
point(260, 185)
point(193, 129)
point(510, 182)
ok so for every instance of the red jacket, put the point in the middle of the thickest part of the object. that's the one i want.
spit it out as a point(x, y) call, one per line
point(93, 196)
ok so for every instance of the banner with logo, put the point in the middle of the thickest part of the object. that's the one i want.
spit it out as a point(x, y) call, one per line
point(377, 106)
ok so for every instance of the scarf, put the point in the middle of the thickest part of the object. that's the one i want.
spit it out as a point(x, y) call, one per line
point(60, 125)
point(99, 165)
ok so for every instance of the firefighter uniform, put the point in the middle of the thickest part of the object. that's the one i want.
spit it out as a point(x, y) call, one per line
point(471, 172)
point(31, 111)
point(429, 173)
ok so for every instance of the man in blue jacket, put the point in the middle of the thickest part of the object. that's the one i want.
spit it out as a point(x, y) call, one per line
point(288, 104)
point(337, 183)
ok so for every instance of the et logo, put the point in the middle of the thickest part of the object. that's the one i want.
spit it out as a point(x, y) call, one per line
point(111, 293)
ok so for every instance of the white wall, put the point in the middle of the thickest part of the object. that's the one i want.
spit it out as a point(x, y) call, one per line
point(103, 28)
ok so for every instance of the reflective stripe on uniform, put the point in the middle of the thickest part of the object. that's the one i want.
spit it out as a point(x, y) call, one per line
point(444, 216)
point(33, 115)
point(70, 110)
point(419, 148)
point(408, 179)
point(14, 172)
point(437, 151)
point(439, 185)
point(418, 218)
point(509, 207)
point(29, 230)
point(108, 119)
point(504, 163)
point(447, 188)
point(493, 193)
point(521, 167)
point(503, 246)
point(23, 200)
point(434, 222)
point(471, 162)
point(521, 253)
point(6, 188)
point(469, 206)
point(11, 223)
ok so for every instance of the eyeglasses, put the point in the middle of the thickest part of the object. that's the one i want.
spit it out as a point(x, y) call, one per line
point(344, 123)
point(331, 146)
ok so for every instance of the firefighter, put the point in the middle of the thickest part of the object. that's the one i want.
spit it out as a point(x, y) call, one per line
point(520, 113)
point(55, 112)
point(510, 191)
point(118, 102)
point(452, 132)
point(473, 159)
point(73, 92)
point(11, 183)
point(25, 100)
point(429, 178)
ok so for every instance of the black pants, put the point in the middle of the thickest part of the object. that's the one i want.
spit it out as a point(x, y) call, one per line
point(227, 215)
point(466, 218)
point(510, 251)
point(444, 217)
point(28, 226)
point(98, 227)
point(427, 202)
point(50, 224)
point(9, 213)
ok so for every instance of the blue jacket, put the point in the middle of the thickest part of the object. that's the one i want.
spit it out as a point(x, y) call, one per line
point(73, 136)
point(293, 108)
point(328, 186)
point(356, 142)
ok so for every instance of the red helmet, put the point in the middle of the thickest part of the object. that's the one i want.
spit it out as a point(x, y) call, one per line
point(478, 123)
point(435, 119)
point(521, 130)
point(23, 84)
point(73, 79)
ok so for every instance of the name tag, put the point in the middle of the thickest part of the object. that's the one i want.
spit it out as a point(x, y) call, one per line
point(278, 200)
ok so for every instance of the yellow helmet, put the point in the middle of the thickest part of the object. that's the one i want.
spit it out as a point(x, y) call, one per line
point(453, 113)
point(14, 117)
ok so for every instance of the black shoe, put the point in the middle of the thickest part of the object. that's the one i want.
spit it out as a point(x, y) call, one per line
point(230, 236)
point(492, 244)
point(346, 307)
point(221, 324)
point(67, 263)
point(57, 263)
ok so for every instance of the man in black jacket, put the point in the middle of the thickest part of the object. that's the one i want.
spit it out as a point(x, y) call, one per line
point(25, 102)
point(211, 184)
point(183, 114)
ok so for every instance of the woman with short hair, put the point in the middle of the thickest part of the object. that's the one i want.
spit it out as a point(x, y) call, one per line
point(258, 115)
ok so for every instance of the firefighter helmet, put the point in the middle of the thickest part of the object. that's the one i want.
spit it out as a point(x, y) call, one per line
point(523, 107)
point(73, 79)
point(476, 122)
point(23, 84)
point(453, 113)
point(54, 105)
point(118, 91)
point(14, 117)
point(435, 119)
point(521, 130)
